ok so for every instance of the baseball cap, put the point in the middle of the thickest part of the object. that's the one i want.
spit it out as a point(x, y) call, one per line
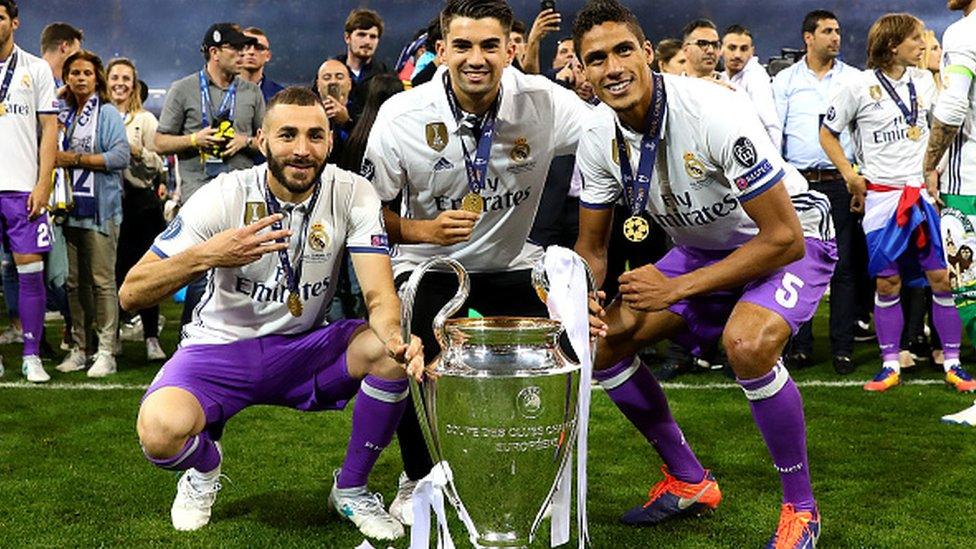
point(226, 34)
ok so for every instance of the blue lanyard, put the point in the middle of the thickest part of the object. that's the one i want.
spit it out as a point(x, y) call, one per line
point(227, 105)
point(911, 116)
point(637, 189)
point(292, 275)
point(477, 169)
point(8, 76)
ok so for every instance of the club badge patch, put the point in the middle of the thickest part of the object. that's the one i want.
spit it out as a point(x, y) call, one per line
point(831, 114)
point(875, 92)
point(318, 239)
point(436, 133)
point(744, 152)
point(520, 151)
point(367, 169)
point(615, 151)
point(694, 167)
point(254, 211)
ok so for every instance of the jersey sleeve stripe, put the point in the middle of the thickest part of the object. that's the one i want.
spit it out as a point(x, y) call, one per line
point(961, 69)
point(155, 249)
point(367, 250)
point(47, 111)
point(596, 206)
point(763, 188)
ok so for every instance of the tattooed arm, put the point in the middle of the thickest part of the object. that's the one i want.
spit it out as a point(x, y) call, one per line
point(941, 136)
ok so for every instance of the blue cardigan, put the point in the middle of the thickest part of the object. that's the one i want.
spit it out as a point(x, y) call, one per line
point(113, 145)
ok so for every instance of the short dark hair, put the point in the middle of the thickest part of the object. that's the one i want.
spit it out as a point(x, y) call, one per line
point(55, 34)
point(738, 29)
point(363, 19)
point(433, 34)
point(697, 24)
point(598, 12)
point(666, 49)
point(518, 27)
point(11, 6)
point(478, 9)
point(812, 19)
point(295, 95)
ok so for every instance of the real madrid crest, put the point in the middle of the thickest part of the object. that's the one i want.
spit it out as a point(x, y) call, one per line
point(694, 167)
point(26, 81)
point(436, 133)
point(318, 239)
point(254, 211)
point(520, 151)
point(615, 151)
point(875, 92)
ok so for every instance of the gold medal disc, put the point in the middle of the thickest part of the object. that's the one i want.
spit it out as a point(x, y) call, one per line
point(3, 109)
point(294, 304)
point(473, 202)
point(636, 228)
point(914, 133)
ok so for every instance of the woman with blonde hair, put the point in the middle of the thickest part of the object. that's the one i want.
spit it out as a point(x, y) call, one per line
point(932, 58)
point(142, 211)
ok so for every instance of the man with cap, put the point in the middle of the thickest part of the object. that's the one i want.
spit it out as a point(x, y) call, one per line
point(209, 120)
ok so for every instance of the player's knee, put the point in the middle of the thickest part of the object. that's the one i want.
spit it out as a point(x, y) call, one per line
point(939, 281)
point(162, 428)
point(751, 353)
point(890, 285)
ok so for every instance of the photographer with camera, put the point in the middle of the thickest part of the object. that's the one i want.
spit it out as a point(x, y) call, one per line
point(333, 84)
point(209, 119)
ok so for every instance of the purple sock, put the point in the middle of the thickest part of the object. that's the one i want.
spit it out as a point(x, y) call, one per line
point(375, 417)
point(777, 409)
point(888, 324)
point(32, 297)
point(632, 387)
point(946, 320)
point(200, 452)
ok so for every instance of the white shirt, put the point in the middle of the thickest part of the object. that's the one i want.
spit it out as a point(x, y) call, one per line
point(957, 105)
point(31, 93)
point(883, 151)
point(754, 80)
point(415, 148)
point(716, 157)
point(251, 301)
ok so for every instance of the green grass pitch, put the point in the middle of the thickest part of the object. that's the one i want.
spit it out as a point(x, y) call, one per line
point(886, 472)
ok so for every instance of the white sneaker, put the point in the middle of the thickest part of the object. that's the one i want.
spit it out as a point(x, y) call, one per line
point(153, 350)
point(74, 362)
point(402, 506)
point(11, 335)
point(195, 496)
point(33, 370)
point(366, 511)
point(132, 330)
point(104, 365)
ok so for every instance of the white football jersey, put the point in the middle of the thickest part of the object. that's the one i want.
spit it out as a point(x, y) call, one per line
point(716, 156)
point(251, 301)
point(959, 52)
point(31, 93)
point(415, 148)
point(879, 129)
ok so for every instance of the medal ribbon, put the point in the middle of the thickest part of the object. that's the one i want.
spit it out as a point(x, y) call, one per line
point(911, 115)
point(8, 76)
point(292, 275)
point(476, 170)
point(227, 105)
point(636, 188)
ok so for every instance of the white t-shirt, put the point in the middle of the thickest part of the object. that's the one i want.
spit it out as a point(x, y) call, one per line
point(716, 156)
point(756, 83)
point(31, 93)
point(883, 150)
point(959, 54)
point(251, 301)
point(415, 148)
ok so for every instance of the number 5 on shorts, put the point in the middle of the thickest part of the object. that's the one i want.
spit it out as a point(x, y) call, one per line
point(789, 293)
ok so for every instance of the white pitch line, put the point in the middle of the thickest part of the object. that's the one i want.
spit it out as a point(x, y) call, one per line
point(676, 386)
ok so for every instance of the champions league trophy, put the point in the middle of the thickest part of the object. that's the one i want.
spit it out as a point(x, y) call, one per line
point(501, 417)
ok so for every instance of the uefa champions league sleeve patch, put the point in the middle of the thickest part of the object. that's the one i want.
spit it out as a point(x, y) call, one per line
point(368, 169)
point(744, 152)
point(831, 114)
point(173, 229)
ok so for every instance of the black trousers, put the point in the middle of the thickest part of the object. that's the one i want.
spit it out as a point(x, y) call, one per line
point(851, 289)
point(142, 220)
point(492, 294)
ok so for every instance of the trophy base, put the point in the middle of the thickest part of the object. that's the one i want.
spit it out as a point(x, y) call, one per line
point(501, 539)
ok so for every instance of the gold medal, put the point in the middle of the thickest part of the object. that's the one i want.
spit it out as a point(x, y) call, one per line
point(294, 304)
point(914, 133)
point(3, 109)
point(636, 228)
point(473, 202)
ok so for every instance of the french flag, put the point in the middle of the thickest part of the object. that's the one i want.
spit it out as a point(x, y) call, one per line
point(899, 220)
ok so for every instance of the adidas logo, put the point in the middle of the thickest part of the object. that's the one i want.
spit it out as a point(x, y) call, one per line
point(443, 164)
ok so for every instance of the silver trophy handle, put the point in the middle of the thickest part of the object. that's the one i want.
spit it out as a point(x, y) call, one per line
point(540, 281)
point(408, 293)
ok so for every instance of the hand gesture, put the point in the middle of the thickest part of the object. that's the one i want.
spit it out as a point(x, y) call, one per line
point(646, 289)
point(452, 227)
point(236, 145)
point(411, 357)
point(237, 247)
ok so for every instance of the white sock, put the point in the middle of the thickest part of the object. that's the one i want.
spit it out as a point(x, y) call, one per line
point(893, 364)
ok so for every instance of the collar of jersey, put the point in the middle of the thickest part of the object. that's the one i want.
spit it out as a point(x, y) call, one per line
point(447, 116)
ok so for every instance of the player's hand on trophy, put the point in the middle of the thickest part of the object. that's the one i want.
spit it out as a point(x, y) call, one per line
point(598, 328)
point(932, 186)
point(237, 247)
point(411, 357)
point(646, 289)
point(858, 187)
point(451, 227)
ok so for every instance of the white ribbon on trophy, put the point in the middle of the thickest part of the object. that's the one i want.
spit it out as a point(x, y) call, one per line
point(568, 302)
